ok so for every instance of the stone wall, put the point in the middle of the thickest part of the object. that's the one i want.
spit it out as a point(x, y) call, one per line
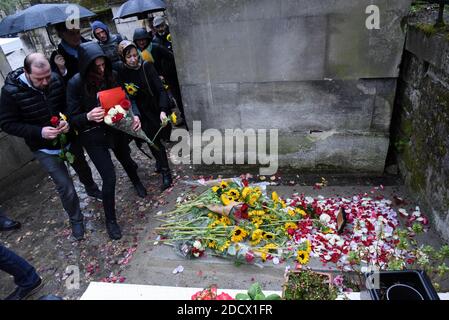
point(421, 126)
point(299, 66)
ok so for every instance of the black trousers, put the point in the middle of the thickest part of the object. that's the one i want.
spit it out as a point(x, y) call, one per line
point(81, 166)
point(96, 143)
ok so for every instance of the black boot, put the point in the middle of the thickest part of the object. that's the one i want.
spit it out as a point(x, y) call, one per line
point(78, 230)
point(140, 189)
point(113, 229)
point(166, 179)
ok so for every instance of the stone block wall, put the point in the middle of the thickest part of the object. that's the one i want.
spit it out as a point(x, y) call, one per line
point(421, 126)
point(300, 66)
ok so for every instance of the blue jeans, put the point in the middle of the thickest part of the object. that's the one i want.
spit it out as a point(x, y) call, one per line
point(24, 274)
point(57, 169)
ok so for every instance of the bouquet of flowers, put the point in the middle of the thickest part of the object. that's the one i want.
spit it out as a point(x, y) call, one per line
point(119, 114)
point(61, 140)
point(190, 249)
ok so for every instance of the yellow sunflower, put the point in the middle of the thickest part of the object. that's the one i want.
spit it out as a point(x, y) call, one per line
point(234, 194)
point(257, 221)
point(290, 225)
point(268, 235)
point(238, 234)
point(215, 189)
point(212, 244)
point(225, 199)
point(223, 184)
point(245, 192)
point(225, 220)
point(271, 246)
point(256, 213)
point(253, 199)
point(173, 118)
point(301, 212)
point(131, 88)
point(291, 212)
point(302, 256)
point(275, 197)
point(256, 237)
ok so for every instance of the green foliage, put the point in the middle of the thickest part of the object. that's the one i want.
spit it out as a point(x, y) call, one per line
point(309, 285)
point(255, 293)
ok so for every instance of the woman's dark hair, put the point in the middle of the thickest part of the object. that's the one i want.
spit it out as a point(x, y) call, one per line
point(109, 81)
point(127, 50)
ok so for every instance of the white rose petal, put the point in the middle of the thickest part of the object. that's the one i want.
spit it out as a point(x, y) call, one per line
point(108, 120)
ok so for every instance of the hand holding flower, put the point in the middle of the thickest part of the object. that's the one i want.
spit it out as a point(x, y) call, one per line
point(96, 114)
point(63, 127)
point(164, 118)
point(49, 133)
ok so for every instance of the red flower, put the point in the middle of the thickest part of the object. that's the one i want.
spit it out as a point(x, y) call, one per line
point(117, 117)
point(249, 257)
point(224, 296)
point(54, 121)
point(245, 182)
point(125, 104)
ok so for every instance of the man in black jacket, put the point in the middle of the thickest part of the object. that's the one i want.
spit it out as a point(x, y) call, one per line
point(64, 62)
point(107, 41)
point(164, 60)
point(29, 99)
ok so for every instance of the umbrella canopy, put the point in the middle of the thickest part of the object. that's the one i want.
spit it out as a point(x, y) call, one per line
point(40, 15)
point(139, 7)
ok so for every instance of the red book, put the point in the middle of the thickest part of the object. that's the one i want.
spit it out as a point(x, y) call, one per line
point(110, 98)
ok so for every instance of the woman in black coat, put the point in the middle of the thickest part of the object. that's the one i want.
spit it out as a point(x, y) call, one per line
point(145, 89)
point(86, 116)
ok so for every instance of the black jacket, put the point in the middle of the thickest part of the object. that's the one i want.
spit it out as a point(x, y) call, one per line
point(24, 111)
point(82, 98)
point(71, 62)
point(151, 97)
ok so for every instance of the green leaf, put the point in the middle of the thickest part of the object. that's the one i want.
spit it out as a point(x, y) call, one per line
point(54, 142)
point(259, 296)
point(254, 290)
point(63, 139)
point(70, 157)
point(242, 296)
point(273, 297)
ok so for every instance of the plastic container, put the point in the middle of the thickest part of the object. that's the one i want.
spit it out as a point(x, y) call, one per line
point(401, 285)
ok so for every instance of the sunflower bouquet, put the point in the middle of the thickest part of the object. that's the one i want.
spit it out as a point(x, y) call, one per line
point(235, 220)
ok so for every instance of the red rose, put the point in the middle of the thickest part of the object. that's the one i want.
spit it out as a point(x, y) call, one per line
point(245, 183)
point(117, 118)
point(54, 121)
point(125, 104)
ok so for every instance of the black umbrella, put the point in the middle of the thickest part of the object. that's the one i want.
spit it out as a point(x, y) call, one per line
point(139, 8)
point(40, 15)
